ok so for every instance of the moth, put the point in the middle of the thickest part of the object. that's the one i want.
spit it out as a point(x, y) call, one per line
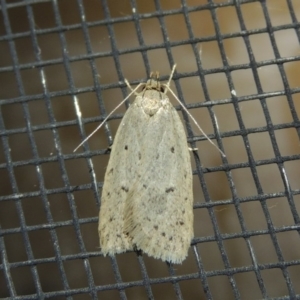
point(147, 196)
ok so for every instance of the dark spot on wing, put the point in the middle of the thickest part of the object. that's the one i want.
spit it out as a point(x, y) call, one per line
point(179, 223)
point(125, 189)
point(170, 189)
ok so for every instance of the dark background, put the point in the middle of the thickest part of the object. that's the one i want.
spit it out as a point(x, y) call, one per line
point(62, 70)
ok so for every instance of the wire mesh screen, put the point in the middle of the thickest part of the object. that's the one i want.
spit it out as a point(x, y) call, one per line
point(62, 70)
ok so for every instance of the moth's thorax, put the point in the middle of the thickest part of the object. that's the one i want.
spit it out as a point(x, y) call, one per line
point(152, 98)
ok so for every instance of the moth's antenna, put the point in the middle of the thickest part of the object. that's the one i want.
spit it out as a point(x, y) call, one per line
point(132, 92)
point(189, 114)
point(170, 78)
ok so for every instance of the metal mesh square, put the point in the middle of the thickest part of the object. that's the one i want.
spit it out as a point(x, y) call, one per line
point(62, 70)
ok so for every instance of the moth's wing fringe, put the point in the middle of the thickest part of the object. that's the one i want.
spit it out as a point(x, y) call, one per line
point(150, 242)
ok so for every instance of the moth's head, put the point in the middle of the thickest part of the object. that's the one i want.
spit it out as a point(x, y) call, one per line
point(153, 83)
